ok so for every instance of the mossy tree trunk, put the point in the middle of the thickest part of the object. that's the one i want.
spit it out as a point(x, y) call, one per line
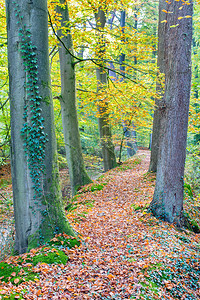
point(168, 196)
point(38, 210)
point(77, 172)
point(159, 88)
point(107, 146)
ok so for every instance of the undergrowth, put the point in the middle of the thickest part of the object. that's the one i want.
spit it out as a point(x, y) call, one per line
point(21, 268)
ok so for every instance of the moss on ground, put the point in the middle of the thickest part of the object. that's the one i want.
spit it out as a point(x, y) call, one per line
point(51, 253)
point(129, 164)
point(16, 274)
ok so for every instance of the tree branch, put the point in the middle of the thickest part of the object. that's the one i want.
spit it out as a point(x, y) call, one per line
point(90, 59)
point(4, 103)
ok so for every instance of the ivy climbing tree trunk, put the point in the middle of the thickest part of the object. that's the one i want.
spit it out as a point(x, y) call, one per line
point(77, 172)
point(37, 199)
point(159, 87)
point(108, 154)
point(168, 196)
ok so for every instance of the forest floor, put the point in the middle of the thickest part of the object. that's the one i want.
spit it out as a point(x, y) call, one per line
point(125, 252)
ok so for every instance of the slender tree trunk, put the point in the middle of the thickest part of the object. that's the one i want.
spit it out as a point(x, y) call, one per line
point(77, 172)
point(158, 102)
point(36, 192)
point(129, 134)
point(196, 70)
point(168, 196)
point(108, 154)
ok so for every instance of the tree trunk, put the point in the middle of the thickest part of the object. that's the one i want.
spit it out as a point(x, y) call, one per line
point(77, 172)
point(36, 192)
point(168, 196)
point(108, 154)
point(129, 134)
point(158, 102)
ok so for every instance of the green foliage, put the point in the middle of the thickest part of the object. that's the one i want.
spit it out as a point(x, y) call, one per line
point(188, 190)
point(171, 277)
point(192, 167)
point(183, 238)
point(191, 223)
point(62, 162)
point(149, 286)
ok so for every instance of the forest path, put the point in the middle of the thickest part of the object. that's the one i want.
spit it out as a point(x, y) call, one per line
point(121, 244)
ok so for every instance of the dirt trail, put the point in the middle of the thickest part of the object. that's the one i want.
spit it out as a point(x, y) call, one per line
point(102, 268)
point(120, 241)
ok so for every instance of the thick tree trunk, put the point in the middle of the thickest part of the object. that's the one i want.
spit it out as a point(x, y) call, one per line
point(168, 196)
point(108, 154)
point(77, 172)
point(37, 198)
point(158, 102)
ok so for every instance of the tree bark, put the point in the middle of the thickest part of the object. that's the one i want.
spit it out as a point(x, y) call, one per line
point(168, 196)
point(77, 172)
point(158, 102)
point(37, 198)
point(108, 154)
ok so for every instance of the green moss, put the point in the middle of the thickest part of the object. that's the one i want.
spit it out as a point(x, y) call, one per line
point(97, 187)
point(92, 188)
point(130, 164)
point(13, 296)
point(53, 256)
point(139, 207)
point(61, 241)
point(10, 273)
point(75, 203)
point(51, 253)
point(150, 286)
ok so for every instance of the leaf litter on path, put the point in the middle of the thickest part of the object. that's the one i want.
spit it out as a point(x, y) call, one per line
point(125, 252)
